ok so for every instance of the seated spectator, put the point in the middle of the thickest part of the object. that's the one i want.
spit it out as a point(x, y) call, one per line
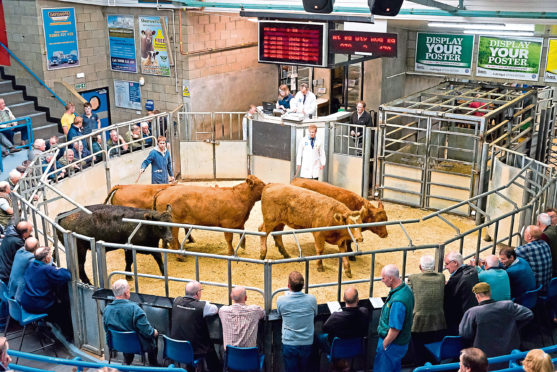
point(493, 326)
point(297, 310)
point(133, 135)
point(39, 146)
point(458, 295)
point(6, 145)
point(549, 235)
point(118, 142)
point(538, 254)
point(6, 115)
point(552, 213)
point(46, 291)
point(497, 278)
point(146, 133)
point(188, 323)
point(81, 152)
point(13, 178)
point(473, 360)
point(97, 148)
point(125, 315)
point(57, 165)
point(239, 321)
point(76, 130)
point(15, 238)
point(52, 143)
point(91, 121)
point(429, 318)
point(521, 276)
point(6, 208)
point(69, 161)
point(537, 361)
point(5, 359)
point(23, 257)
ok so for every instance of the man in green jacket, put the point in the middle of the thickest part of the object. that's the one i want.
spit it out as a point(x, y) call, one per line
point(395, 323)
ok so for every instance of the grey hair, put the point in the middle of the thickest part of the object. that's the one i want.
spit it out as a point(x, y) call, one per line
point(192, 288)
point(391, 270)
point(457, 257)
point(492, 261)
point(4, 186)
point(14, 174)
point(544, 219)
point(41, 253)
point(120, 287)
point(39, 142)
point(427, 262)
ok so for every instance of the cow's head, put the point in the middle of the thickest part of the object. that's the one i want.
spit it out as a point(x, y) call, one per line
point(147, 34)
point(350, 218)
point(164, 232)
point(255, 185)
point(152, 56)
point(372, 214)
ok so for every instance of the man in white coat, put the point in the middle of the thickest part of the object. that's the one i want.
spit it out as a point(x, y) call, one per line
point(304, 102)
point(310, 157)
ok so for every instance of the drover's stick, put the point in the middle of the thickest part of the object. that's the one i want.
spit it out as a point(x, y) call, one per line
point(140, 173)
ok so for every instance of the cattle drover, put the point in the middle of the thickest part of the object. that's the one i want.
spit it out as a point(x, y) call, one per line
point(159, 158)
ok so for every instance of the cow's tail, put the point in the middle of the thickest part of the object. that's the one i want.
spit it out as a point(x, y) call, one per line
point(155, 199)
point(112, 191)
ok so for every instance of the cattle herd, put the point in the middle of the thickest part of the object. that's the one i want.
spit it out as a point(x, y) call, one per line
point(302, 204)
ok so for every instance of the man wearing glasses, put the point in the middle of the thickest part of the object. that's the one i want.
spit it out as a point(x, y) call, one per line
point(161, 165)
point(458, 290)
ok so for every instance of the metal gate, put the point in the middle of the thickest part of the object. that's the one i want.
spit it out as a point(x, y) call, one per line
point(212, 145)
point(546, 114)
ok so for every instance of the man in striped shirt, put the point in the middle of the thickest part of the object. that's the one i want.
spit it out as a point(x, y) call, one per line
point(240, 321)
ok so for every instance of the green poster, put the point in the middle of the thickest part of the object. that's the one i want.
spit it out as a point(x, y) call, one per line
point(509, 57)
point(444, 53)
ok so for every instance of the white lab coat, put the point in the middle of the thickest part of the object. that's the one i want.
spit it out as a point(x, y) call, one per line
point(309, 107)
point(310, 159)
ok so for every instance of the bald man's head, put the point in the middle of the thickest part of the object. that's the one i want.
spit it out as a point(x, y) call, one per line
point(31, 244)
point(238, 295)
point(193, 289)
point(351, 297)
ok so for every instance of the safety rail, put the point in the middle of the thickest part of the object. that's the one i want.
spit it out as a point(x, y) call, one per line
point(6, 126)
point(203, 126)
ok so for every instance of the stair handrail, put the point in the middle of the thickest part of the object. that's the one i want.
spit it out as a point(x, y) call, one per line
point(27, 123)
point(32, 73)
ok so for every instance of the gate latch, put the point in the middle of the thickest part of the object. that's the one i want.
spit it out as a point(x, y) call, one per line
point(212, 141)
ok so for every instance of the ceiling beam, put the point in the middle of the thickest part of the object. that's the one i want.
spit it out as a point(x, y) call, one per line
point(436, 4)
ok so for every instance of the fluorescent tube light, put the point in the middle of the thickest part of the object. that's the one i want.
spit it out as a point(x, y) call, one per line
point(483, 26)
point(500, 33)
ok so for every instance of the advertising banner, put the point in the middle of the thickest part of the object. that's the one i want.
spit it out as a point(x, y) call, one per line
point(551, 65)
point(121, 40)
point(127, 94)
point(60, 37)
point(444, 53)
point(154, 55)
point(509, 57)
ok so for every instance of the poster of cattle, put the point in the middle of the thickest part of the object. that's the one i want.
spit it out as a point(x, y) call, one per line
point(121, 40)
point(60, 36)
point(154, 54)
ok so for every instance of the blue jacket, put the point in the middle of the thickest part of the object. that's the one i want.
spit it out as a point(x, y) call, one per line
point(74, 132)
point(161, 166)
point(285, 101)
point(17, 281)
point(41, 281)
point(498, 281)
point(125, 315)
point(10, 244)
point(521, 277)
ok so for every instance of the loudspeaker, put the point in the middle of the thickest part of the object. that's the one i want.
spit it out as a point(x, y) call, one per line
point(385, 7)
point(318, 6)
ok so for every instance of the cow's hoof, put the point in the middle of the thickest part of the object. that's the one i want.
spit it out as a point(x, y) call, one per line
point(262, 257)
point(180, 258)
point(129, 278)
point(320, 269)
point(191, 239)
point(348, 274)
point(352, 258)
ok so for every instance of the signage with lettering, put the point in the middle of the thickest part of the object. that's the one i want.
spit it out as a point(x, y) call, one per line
point(154, 54)
point(127, 94)
point(551, 64)
point(60, 36)
point(121, 41)
point(364, 43)
point(444, 53)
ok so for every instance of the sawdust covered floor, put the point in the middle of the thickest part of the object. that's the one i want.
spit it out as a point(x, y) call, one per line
point(432, 231)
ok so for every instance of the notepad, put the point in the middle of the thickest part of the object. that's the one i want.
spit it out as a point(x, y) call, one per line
point(376, 302)
point(334, 306)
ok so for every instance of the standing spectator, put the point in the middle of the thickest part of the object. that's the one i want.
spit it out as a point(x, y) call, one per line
point(14, 239)
point(239, 321)
point(458, 290)
point(310, 157)
point(359, 117)
point(188, 323)
point(521, 276)
point(124, 315)
point(91, 121)
point(497, 278)
point(13, 178)
point(5, 359)
point(146, 133)
point(68, 118)
point(46, 291)
point(297, 311)
point(552, 212)
point(23, 257)
point(428, 323)
point(6, 208)
point(76, 129)
point(304, 102)
point(538, 254)
point(161, 164)
point(473, 360)
point(245, 121)
point(395, 323)
point(6, 115)
point(81, 152)
point(133, 135)
point(549, 235)
point(117, 141)
point(537, 361)
point(493, 326)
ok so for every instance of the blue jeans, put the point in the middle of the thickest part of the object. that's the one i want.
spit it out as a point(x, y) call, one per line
point(296, 357)
point(388, 360)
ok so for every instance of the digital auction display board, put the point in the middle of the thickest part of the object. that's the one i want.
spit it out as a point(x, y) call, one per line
point(293, 43)
point(364, 43)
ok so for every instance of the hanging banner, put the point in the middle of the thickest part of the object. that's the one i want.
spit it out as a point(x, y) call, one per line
point(444, 53)
point(154, 55)
point(551, 64)
point(121, 40)
point(127, 94)
point(509, 57)
point(60, 37)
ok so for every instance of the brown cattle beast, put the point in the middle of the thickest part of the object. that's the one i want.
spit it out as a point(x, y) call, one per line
point(227, 207)
point(300, 209)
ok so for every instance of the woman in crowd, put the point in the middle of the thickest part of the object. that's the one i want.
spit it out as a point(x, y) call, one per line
point(284, 97)
point(537, 361)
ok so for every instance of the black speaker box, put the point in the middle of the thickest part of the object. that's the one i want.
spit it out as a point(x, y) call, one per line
point(318, 6)
point(388, 8)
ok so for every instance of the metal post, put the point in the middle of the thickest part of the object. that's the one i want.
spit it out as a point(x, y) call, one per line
point(101, 260)
point(339, 278)
point(229, 269)
point(267, 285)
point(292, 152)
point(366, 161)
point(481, 187)
point(106, 163)
point(526, 215)
point(372, 275)
point(71, 263)
point(16, 216)
point(326, 149)
point(213, 140)
point(440, 257)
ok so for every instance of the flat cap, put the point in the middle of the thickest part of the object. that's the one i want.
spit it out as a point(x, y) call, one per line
point(481, 287)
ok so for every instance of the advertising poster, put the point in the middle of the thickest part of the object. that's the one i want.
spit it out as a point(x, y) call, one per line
point(509, 57)
point(154, 56)
point(60, 37)
point(127, 94)
point(551, 65)
point(444, 53)
point(121, 40)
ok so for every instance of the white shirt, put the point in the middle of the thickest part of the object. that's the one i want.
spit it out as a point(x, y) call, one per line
point(310, 159)
point(309, 106)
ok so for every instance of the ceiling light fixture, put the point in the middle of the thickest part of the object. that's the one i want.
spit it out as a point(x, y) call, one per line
point(500, 33)
point(483, 26)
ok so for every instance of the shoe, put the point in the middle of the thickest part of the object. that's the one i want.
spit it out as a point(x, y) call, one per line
point(14, 149)
point(4, 154)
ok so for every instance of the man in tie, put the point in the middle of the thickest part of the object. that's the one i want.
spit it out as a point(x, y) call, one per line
point(310, 157)
point(304, 102)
